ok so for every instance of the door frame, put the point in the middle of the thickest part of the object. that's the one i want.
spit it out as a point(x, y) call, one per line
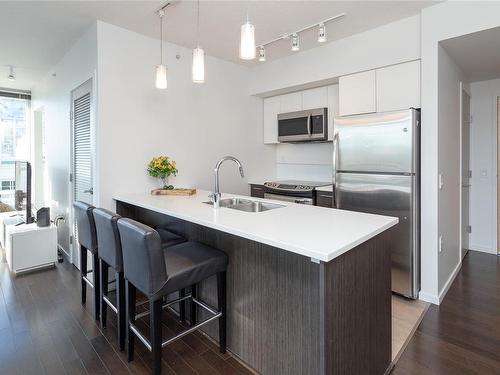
point(74, 248)
point(462, 89)
point(496, 107)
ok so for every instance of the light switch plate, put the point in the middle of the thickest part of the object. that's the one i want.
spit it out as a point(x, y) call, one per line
point(440, 181)
point(440, 247)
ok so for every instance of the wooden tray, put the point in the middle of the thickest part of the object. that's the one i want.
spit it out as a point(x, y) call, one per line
point(179, 191)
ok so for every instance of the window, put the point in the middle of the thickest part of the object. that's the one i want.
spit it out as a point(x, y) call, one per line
point(14, 139)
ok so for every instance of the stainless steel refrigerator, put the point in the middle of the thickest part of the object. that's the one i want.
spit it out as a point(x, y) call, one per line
point(377, 170)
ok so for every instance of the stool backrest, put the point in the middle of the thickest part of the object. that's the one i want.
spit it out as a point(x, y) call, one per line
point(108, 238)
point(143, 261)
point(85, 225)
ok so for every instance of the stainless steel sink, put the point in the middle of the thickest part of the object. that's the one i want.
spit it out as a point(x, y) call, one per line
point(247, 205)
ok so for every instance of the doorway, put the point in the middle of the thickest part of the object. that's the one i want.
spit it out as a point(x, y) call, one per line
point(465, 170)
point(81, 177)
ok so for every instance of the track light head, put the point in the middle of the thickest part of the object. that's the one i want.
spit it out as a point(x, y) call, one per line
point(321, 33)
point(295, 42)
point(262, 54)
point(12, 75)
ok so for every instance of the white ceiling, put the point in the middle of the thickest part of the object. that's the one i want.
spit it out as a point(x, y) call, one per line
point(477, 54)
point(34, 35)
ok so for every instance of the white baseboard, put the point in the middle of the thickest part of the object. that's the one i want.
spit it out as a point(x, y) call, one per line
point(437, 299)
point(427, 297)
point(448, 283)
point(483, 249)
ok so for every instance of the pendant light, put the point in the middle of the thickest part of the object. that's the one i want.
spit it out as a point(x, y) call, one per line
point(161, 69)
point(198, 53)
point(247, 41)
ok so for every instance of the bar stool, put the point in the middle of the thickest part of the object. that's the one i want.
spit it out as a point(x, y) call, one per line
point(110, 255)
point(88, 242)
point(158, 272)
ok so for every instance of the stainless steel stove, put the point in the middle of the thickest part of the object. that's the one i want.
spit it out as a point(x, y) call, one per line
point(293, 190)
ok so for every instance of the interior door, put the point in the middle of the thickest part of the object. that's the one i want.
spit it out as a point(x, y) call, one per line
point(390, 195)
point(82, 163)
point(466, 173)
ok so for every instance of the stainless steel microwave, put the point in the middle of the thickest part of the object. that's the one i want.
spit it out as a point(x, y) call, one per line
point(303, 126)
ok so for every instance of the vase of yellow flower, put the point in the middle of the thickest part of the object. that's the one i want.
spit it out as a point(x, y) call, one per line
point(162, 167)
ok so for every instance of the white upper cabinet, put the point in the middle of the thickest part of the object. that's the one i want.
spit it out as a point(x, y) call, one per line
point(315, 98)
point(291, 102)
point(357, 93)
point(272, 107)
point(333, 108)
point(398, 87)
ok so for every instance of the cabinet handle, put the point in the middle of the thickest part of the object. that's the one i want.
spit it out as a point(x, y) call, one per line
point(256, 188)
point(326, 196)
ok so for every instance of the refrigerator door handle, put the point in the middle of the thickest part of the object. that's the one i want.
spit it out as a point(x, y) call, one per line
point(334, 169)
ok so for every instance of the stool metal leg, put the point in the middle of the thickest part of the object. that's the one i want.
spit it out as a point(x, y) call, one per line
point(83, 272)
point(121, 307)
point(182, 306)
point(194, 293)
point(97, 287)
point(155, 308)
point(104, 291)
point(221, 304)
point(130, 296)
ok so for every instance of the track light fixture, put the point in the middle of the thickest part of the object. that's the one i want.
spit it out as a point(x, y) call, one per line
point(262, 54)
point(295, 42)
point(12, 75)
point(321, 33)
point(295, 36)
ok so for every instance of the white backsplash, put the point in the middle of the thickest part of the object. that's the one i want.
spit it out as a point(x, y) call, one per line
point(304, 161)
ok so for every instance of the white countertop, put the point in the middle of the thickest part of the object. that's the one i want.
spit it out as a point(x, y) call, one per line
point(316, 232)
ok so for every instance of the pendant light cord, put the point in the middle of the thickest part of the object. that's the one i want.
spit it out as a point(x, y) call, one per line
point(161, 39)
point(198, 25)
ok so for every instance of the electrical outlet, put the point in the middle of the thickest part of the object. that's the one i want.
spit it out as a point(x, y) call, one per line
point(441, 181)
point(440, 246)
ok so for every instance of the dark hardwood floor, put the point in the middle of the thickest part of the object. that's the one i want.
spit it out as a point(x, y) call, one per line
point(462, 335)
point(45, 330)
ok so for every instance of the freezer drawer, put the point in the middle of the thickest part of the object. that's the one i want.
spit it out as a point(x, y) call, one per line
point(391, 195)
point(382, 142)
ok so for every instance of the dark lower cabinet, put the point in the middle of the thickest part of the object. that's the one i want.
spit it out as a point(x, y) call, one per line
point(257, 191)
point(324, 199)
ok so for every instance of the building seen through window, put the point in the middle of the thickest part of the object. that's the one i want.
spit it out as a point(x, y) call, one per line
point(14, 144)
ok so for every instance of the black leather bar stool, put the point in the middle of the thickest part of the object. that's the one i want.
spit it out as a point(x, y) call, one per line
point(88, 242)
point(158, 272)
point(110, 255)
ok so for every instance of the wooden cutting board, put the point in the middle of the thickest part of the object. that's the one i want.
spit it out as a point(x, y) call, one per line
point(179, 191)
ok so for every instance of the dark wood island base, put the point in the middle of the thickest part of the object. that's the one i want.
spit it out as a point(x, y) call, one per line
point(288, 314)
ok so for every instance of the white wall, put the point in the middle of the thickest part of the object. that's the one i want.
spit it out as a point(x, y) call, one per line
point(195, 124)
point(52, 96)
point(484, 165)
point(440, 22)
point(390, 44)
point(449, 163)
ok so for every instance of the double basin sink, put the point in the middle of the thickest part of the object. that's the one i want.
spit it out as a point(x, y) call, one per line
point(247, 205)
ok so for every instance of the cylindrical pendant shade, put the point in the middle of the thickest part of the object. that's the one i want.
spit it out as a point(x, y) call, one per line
point(247, 42)
point(198, 65)
point(161, 77)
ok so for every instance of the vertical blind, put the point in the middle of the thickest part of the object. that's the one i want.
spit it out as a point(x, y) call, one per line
point(82, 158)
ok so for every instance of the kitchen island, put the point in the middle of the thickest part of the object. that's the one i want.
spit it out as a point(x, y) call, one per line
point(309, 288)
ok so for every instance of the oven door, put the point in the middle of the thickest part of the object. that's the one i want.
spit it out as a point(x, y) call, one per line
point(288, 198)
point(303, 126)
